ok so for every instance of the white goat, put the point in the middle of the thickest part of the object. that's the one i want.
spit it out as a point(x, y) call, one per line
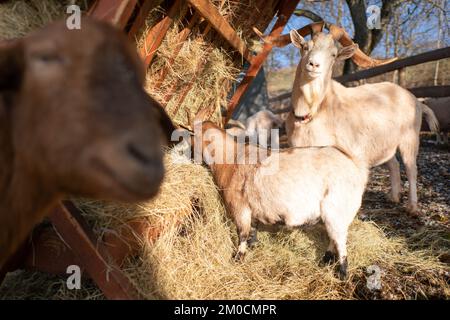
point(441, 108)
point(260, 125)
point(324, 185)
point(369, 122)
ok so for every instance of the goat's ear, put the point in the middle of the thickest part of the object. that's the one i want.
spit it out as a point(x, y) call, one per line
point(297, 39)
point(347, 52)
point(11, 65)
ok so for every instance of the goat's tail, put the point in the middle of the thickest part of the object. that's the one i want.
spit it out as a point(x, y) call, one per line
point(430, 117)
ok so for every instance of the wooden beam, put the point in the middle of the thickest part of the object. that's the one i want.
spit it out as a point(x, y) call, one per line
point(287, 7)
point(71, 226)
point(402, 63)
point(157, 33)
point(218, 22)
point(118, 12)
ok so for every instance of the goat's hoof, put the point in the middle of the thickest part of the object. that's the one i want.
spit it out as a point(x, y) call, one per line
point(252, 243)
point(343, 275)
point(413, 210)
point(343, 266)
point(328, 258)
point(239, 256)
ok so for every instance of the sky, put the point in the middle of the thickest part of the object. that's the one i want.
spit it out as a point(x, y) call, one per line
point(424, 29)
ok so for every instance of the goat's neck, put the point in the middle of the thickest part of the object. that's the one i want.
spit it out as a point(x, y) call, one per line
point(310, 92)
point(23, 198)
point(224, 172)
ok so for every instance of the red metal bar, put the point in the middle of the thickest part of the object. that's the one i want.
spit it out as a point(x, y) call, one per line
point(157, 34)
point(139, 21)
point(221, 25)
point(95, 259)
point(398, 64)
point(118, 12)
point(287, 7)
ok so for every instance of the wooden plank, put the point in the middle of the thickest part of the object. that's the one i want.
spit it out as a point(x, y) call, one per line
point(157, 34)
point(218, 22)
point(118, 12)
point(402, 63)
point(100, 267)
point(287, 7)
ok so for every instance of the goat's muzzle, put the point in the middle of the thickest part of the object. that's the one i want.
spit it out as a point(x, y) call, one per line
point(302, 119)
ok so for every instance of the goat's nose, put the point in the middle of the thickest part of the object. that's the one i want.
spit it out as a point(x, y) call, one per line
point(314, 64)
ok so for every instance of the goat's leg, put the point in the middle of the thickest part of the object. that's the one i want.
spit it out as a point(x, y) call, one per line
point(338, 235)
point(409, 155)
point(253, 239)
point(330, 255)
point(394, 175)
point(243, 224)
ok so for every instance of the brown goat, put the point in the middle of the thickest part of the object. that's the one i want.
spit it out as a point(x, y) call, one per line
point(74, 120)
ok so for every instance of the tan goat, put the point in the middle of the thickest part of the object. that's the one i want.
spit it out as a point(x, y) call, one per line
point(324, 185)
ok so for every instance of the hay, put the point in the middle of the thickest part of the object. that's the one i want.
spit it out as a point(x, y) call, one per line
point(17, 18)
point(193, 260)
point(201, 65)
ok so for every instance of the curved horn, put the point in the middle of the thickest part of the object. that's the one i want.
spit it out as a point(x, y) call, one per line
point(360, 58)
point(284, 40)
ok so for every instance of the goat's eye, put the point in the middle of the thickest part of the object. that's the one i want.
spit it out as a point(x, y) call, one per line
point(48, 58)
point(334, 55)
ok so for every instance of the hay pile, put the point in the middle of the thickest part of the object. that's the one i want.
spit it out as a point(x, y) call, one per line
point(17, 18)
point(193, 260)
point(199, 75)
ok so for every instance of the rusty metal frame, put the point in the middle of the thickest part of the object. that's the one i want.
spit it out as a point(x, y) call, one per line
point(286, 9)
point(158, 32)
point(118, 12)
point(72, 227)
point(221, 25)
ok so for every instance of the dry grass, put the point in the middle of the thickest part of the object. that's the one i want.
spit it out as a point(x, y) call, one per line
point(193, 260)
point(17, 18)
point(201, 65)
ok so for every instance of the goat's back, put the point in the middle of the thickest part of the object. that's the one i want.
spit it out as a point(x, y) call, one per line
point(298, 179)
